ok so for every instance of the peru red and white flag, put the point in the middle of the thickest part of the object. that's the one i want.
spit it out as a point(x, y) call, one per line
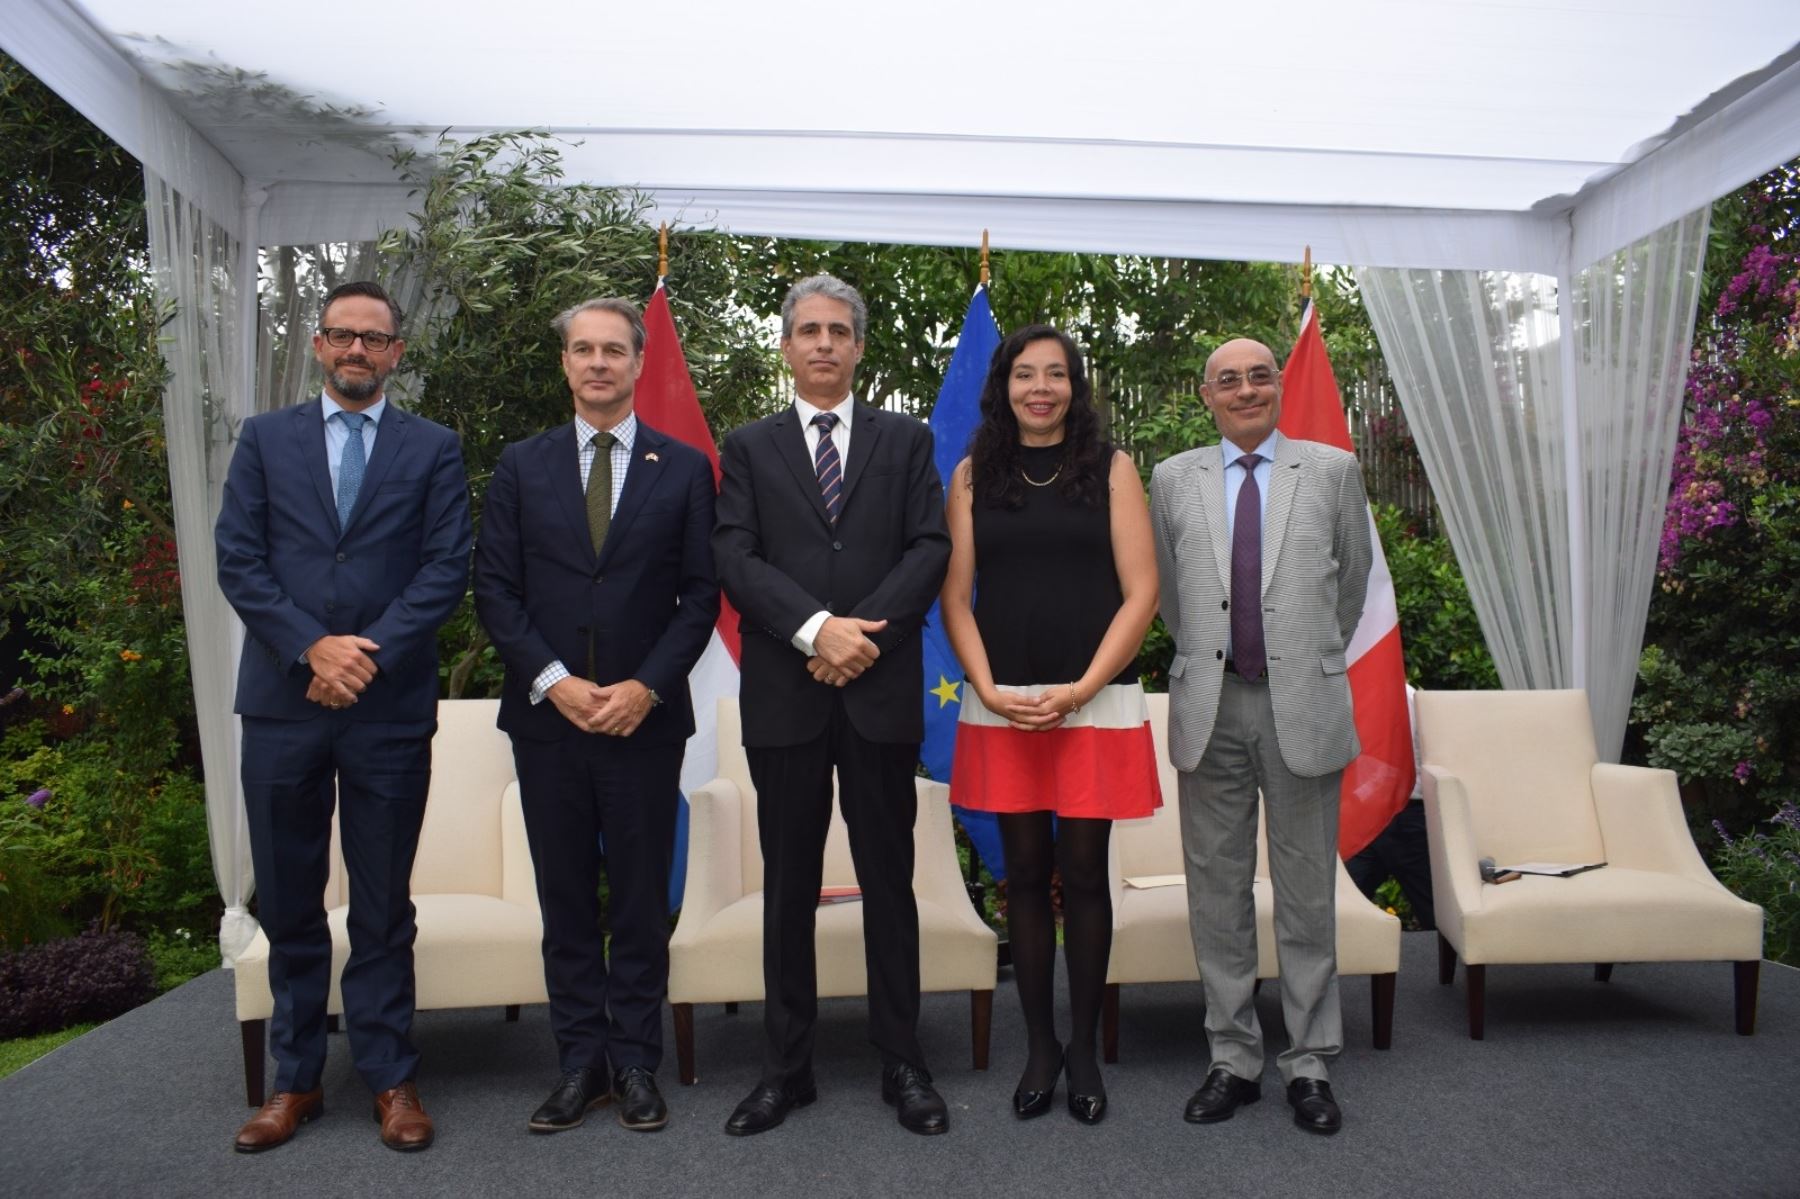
point(666, 401)
point(1377, 784)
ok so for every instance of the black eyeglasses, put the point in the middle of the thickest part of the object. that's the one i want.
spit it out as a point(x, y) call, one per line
point(372, 341)
point(1258, 376)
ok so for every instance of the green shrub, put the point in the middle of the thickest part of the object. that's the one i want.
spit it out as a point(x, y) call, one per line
point(181, 955)
point(1764, 868)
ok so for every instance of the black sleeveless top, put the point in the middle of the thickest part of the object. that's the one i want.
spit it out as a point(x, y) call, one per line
point(1046, 587)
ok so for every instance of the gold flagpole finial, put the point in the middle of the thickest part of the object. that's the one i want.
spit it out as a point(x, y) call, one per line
point(1306, 275)
point(984, 257)
point(662, 251)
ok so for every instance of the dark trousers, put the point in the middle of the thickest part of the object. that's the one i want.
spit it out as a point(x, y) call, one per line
point(880, 803)
point(377, 773)
point(579, 793)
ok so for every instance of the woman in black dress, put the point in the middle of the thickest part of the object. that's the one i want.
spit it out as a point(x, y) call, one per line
point(1052, 583)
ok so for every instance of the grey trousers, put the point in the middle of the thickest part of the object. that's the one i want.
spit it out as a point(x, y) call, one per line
point(1218, 836)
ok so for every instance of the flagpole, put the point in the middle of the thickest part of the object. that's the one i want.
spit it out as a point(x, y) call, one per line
point(1306, 275)
point(984, 257)
point(662, 255)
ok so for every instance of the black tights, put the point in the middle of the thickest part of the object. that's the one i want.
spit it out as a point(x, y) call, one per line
point(1033, 852)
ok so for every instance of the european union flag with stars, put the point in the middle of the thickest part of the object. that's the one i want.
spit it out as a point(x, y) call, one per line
point(953, 421)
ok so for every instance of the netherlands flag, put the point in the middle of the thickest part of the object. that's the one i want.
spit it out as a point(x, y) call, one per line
point(1376, 785)
point(666, 400)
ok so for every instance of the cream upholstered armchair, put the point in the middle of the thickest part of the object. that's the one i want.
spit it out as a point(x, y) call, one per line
point(715, 955)
point(480, 932)
point(1513, 776)
point(1151, 941)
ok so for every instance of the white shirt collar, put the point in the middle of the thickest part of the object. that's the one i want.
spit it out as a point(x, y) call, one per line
point(807, 411)
point(331, 407)
point(625, 432)
point(1266, 449)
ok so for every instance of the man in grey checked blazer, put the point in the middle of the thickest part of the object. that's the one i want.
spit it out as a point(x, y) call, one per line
point(1260, 702)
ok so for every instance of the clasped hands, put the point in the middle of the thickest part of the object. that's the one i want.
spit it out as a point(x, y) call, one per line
point(1034, 713)
point(341, 669)
point(844, 650)
point(615, 711)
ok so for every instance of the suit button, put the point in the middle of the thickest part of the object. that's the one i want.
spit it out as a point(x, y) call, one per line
point(1220, 655)
point(340, 557)
point(837, 545)
point(331, 607)
point(582, 629)
point(1223, 604)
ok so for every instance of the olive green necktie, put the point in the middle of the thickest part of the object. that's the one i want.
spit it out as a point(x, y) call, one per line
point(599, 489)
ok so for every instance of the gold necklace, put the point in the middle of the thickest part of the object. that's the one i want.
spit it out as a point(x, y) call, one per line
point(1046, 482)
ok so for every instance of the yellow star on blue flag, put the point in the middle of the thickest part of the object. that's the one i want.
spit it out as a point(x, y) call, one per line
point(946, 692)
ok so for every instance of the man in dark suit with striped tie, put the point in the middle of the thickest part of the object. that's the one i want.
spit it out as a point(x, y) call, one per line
point(831, 543)
point(343, 543)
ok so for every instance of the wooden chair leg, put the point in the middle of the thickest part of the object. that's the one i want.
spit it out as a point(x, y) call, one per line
point(254, 1060)
point(1476, 978)
point(1744, 981)
point(684, 1042)
point(512, 1013)
point(1381, 1000)
point(731, 1008)
point(1603, 972)
point(334, 1024)
point(1109, 1023)
point(1446, 961)
point(981, 1026)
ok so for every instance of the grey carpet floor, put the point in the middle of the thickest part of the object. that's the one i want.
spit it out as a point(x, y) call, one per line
point(1635, 1087)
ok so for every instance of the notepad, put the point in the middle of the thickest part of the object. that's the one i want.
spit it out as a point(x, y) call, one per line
point(1145, 882)
point(1551, 869)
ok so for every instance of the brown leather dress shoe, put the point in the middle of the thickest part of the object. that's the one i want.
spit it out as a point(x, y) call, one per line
point(275, 1122)
point(404, 1124)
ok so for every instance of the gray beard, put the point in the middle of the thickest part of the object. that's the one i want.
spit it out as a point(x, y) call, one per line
point(357, 390)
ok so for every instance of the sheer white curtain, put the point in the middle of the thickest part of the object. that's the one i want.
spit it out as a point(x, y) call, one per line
point(1475, 359)
point(1632, 321)
point(1546, 416)
point(197, 254)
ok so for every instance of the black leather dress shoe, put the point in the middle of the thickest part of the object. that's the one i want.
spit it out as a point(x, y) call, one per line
point(1314, 1108)
point(579, 1092)
point(1219, 1096)
point(921, 1108)
point(767, 1106)
point(1029, 1104)
point(641, 1106)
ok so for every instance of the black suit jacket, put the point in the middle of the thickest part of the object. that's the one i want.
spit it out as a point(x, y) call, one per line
point(393, 572)
point(643, 608)
point(781, 561)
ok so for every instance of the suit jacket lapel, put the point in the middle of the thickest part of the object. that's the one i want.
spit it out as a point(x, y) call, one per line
point(309, 438)
point(561, 464)
point(642, 475)
point(790, 439)
point(865, 431)
point(1284, 481)
point(388, 436)
point(1212, 502)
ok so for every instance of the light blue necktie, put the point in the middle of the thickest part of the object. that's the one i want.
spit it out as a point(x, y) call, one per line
point(350, 467)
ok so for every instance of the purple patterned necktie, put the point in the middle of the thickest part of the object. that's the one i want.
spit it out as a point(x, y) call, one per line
point(1247, 652)
point(830, 468)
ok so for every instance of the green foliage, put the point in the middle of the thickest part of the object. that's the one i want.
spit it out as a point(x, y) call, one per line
point(1719, 694)
point(1444, 647)
point(180, 956)
point(22, 1051)
point(1764, 868)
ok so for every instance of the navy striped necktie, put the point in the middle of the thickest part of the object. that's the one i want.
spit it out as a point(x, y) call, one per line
point(1248, 654)
point(829, 466)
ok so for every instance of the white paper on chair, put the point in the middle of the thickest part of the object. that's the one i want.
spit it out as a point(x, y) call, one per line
point(1552, 869)
point(1145, 882)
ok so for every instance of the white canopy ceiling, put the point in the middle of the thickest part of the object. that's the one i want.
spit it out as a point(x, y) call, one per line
point(1388, 132)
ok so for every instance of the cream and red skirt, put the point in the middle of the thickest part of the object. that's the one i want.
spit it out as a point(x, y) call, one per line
point(1100, 763)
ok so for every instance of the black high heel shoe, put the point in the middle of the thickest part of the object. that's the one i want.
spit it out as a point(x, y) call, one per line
point(1028, 1105)
point(1089, 1109)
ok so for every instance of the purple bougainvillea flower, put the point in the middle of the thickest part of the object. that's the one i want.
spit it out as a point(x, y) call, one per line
point(40, 797)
